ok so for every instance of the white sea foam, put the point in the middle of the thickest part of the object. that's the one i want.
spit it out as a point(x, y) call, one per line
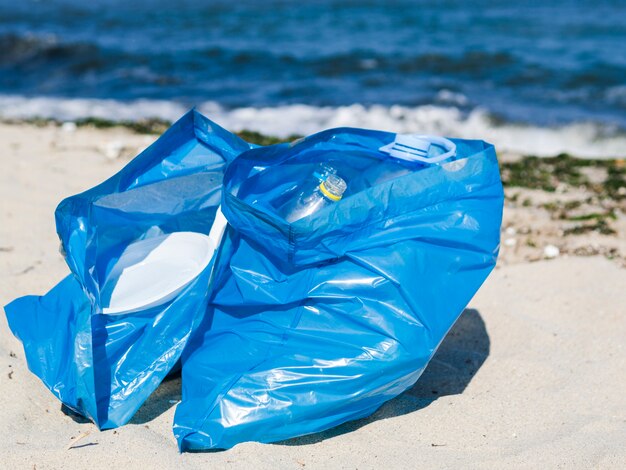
point(588, 140)
point(65, 109)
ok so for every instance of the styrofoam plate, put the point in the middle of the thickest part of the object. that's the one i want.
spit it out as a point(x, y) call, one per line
point(153, 271)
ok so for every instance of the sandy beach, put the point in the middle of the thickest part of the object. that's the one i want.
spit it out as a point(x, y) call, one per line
point(531, 376)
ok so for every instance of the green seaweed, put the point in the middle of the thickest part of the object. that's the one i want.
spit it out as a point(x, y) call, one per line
point(150, 126)
point(593, 216)
point(552, 206)
point(615, 183)
point(257, 138)
point(570, 205)
point(601, 226)
point(528, 172)
point(548, 173)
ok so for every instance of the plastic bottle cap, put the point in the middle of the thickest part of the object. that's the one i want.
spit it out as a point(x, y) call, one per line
point(333, 187)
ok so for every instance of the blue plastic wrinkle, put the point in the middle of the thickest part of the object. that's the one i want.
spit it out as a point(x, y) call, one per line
point(323, 320)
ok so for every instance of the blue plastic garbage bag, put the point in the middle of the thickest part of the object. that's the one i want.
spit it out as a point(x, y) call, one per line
point(105, 366)
point(322, 320)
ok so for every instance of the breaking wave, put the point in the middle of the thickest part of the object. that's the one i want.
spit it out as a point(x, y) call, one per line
point(582, 139)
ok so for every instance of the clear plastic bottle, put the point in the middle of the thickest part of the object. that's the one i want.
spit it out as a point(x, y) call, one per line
point(329, 191)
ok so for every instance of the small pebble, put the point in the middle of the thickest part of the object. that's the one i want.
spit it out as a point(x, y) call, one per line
point(113, 150)
point(68, 126)
point(510, 231)
point(510, 242)
point(551, 251)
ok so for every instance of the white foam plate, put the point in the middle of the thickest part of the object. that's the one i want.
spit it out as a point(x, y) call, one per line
point(153, 271)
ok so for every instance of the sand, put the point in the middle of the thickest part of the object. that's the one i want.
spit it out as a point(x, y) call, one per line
point(532, 376)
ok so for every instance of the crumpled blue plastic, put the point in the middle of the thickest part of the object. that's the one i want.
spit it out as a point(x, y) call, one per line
point(105, 366)
point(306, 325)
point(323, 320)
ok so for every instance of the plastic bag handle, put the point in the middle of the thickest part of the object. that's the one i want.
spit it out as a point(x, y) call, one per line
point(415, 147)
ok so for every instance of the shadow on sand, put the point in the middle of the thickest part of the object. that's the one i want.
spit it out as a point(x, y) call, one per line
point(168, 394)
point(162, 399)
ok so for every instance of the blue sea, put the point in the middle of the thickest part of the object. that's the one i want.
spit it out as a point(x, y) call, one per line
point(534, 77)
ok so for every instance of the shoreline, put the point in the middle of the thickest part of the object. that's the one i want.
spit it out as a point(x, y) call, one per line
point(156, 126)
point(583, 138)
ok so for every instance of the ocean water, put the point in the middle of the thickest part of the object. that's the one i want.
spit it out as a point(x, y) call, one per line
point(534, 77)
